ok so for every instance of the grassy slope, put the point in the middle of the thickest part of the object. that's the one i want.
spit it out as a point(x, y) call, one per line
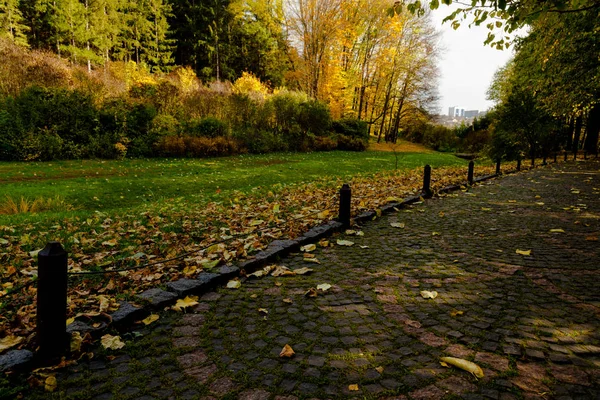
point(123, 185)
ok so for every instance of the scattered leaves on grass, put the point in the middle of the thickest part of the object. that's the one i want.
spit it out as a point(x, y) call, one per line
point(523, 252)
point(426, 294)
point(287, 351)
point(464, 365)
point(111, 342)
point(186, 302)
point(345, 243)
point(150, 319)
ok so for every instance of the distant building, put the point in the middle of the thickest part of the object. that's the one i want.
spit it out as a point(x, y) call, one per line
point(451, 111)
point(471, 113)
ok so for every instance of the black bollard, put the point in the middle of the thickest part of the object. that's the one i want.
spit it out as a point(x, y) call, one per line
point(427, 181)
point(52, 300)
point(575, 155)
point(498, 167)
point(519, 164)
point(345, 197)
point(566, 155)
point(470, 172)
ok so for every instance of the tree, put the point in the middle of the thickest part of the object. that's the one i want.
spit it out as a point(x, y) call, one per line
point(12, 23)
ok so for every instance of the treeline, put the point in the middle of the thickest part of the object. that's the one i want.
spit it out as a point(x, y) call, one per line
point(548, 96)
point(355, 57)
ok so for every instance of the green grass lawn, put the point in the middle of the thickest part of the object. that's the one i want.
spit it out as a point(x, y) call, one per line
point(121, 186)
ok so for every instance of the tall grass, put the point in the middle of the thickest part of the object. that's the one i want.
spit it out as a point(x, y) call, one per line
point(24, 205)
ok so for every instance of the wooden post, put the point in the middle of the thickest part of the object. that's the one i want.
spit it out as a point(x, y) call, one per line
point(52, 300)
point(345, 200)
point(427, 181)
point(519, 164)
point(498, 167)
point(470, 172)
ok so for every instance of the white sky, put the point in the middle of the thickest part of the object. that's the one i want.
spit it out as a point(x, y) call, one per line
point(466, 66)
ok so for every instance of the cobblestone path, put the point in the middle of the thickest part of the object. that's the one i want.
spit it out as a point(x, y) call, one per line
point(530, 321)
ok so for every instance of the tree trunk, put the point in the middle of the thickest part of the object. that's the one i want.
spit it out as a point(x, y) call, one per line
point(593, 129)
point(578, 123)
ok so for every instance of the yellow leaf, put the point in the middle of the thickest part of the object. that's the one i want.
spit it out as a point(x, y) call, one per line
point(441, 214)
point(234, 284)
point(104, 303)
point(256, 222)
point(454, 313)
point(379, 369)
point(185, 303)
point(10, 341)
point(397, 224)
point(263, 310)
point(512, 201)
point(110, 243)
point(275, 208)
point(287, 301)
point(323, 214)
point(350, 232)
point(308, 247)
point(312, 260)
point(303, 270)
point(523, 252)
point(426, 294)
point(76, 341)
point(557, 231)
point(591, 238)
point(540, 203)
point(464, 365)
point(435, 233)
point(287, 351)
point(112, 342)
point(150, 319)
point(443, 364)
point(50, 383)
point(324, 287)
point(486, 209)
point(70, 321)
point(574, 191)
point(344, 242)
point(282, 270)
point(353, 388)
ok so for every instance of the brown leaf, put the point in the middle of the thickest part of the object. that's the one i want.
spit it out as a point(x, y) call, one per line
point(287, 351)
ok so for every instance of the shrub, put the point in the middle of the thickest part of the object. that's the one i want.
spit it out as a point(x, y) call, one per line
point(351, 127)
point(209, 127)
point(261, 141)
point(171, 146)
point(314, 117)
point(351, 143)
point(325, 143)
point(210, 147)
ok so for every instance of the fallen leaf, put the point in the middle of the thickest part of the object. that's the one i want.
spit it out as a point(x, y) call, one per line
point(308, 247)
point(443, 364)
point(379, 369)
point(3, 241)
point(287, 301)
point(557, 231)
point(150, 319)
point(256, 222)
point(324, 287)
point(263, 310)
point(575, 191)
point(234, 284)
point(350, 232)
point(523, 252)
point(591, 238)
point(364, 247)
point(185, 303)
point(110, 243)
point(303, 270)
point(287, 351)
point(353, 388)
point(345, 242)
point(540, 203)
point(209, 264)
point(414, 324)
point(312, 260)
point(397, 224)
point(50, 383)
point(512, 201)
point(464, 365)
point(278, 283)
point(435, 233)
point(486, 209)
point(426, 294)
point(112, 342)
point(282, 270)
point(76, 341)
point(454, 313)
point(10, 341)
point(311, 293)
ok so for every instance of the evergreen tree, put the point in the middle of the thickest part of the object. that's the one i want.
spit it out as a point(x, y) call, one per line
point(12, 23)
